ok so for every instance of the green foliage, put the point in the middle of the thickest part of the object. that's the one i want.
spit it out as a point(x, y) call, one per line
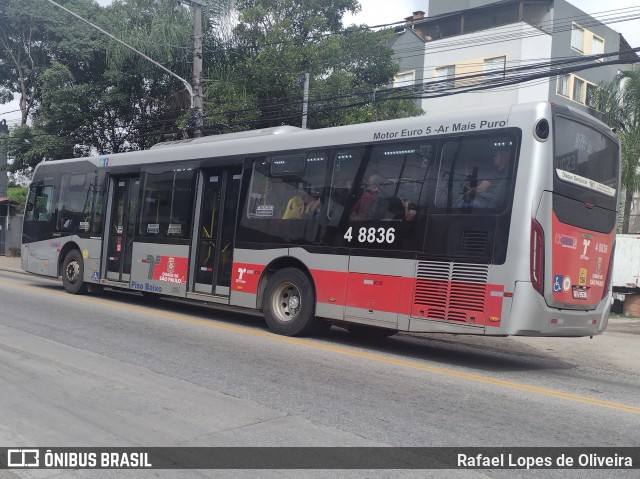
point(85, 93)
point(281, 40)
point(619, 102)
point(32, 34)
point(19, 194)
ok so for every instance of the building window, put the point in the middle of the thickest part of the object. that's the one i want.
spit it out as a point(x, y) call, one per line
point(563, 85)
point(494, 67)
point(578, 89)
point(404, 79)
point(590, 99)
point(597, 46)
point(577, 38)
point(445, 76)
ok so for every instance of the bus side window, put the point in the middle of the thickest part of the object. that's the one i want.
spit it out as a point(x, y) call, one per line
point(346, 165)
point(168, 203)
point(392, 184)
point(39, 204)
point(75, 203)
point(288, 186)
point(475, 173)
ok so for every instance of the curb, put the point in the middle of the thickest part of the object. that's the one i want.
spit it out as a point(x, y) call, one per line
point(12, 270)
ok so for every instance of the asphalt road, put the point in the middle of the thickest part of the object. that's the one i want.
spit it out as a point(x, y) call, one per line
point(121, 370)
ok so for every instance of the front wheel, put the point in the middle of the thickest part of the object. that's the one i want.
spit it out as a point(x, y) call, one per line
point(289, 304)
point(73, 273)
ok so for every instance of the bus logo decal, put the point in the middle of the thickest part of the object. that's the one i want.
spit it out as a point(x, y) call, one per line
point(585, 244)
point(566, 284)
point(169, 269)
point(241, 272)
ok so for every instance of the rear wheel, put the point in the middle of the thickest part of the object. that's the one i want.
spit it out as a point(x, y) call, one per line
point(289, 304)
point(73, 273)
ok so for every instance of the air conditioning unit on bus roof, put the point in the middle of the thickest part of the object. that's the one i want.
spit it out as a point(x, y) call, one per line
point(275, 130)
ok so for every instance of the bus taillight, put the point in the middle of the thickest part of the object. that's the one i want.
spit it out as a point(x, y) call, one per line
point(537, 256)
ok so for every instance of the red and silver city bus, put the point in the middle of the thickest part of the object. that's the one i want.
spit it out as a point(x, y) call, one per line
point(494, 222)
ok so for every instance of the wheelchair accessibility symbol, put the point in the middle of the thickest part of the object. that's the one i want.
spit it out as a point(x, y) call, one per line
point(557, 283)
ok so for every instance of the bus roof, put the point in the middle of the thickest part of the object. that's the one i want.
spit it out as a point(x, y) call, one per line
point(266, 140)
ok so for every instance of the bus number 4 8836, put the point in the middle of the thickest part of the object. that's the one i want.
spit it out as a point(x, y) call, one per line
point(372, 235)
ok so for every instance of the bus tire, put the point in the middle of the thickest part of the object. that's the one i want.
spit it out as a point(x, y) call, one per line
point(289, 304)
point(371, 332)
point(73, 273)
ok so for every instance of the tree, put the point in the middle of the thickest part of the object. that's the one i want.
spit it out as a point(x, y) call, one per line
point(619, 102)
point(32, 34)
point(85, 93)
point(281, 40)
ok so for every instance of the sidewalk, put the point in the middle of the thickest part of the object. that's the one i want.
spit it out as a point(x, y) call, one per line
point(10, 263)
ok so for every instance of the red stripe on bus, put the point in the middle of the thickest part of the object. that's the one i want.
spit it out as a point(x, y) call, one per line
point(470, 303)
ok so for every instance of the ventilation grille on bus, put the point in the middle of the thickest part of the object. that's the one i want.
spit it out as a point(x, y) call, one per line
point(451, 291)
point(475, 242)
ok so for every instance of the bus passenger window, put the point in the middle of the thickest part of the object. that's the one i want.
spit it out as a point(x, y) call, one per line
point(287, 186)
point(394, 182)
point(475, 173)
point(168, 203)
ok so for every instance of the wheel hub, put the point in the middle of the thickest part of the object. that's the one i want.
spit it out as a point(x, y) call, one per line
point(286, 302)
point(73, 271)
point(294, 302)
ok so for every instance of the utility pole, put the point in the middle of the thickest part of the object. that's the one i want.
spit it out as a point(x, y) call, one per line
point(198, 100)
point(4, 190)
point(305, 100)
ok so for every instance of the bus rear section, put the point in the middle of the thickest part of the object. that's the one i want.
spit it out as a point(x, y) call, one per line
point(572, 234)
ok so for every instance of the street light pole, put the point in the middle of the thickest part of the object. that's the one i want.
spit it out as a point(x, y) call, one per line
point(162, 67)
point(198, 100)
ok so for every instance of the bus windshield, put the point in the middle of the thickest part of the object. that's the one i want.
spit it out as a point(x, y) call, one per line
point(585, 157)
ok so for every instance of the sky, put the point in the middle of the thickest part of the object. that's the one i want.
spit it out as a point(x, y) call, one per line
point(378, 12)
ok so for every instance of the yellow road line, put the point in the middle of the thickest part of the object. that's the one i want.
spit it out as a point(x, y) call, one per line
point(345, 351)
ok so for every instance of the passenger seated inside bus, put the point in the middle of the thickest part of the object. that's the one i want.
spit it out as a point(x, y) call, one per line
point(65, 221)
point(401, 210)
point(487, 188)
point(470, 197)
point(295, 208)
point(371, 205)
point(314, 203)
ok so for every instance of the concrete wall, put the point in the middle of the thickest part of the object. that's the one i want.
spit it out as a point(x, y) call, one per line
point(528, 43)
point(409, 53)
point(12, 235)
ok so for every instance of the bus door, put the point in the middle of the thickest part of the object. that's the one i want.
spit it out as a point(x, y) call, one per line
point(122, 227)
point(218, 213)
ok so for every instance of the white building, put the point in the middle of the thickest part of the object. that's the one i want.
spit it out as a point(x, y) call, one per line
point(467, 44)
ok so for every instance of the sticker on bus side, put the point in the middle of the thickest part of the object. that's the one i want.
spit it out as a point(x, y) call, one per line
point(583, 258)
